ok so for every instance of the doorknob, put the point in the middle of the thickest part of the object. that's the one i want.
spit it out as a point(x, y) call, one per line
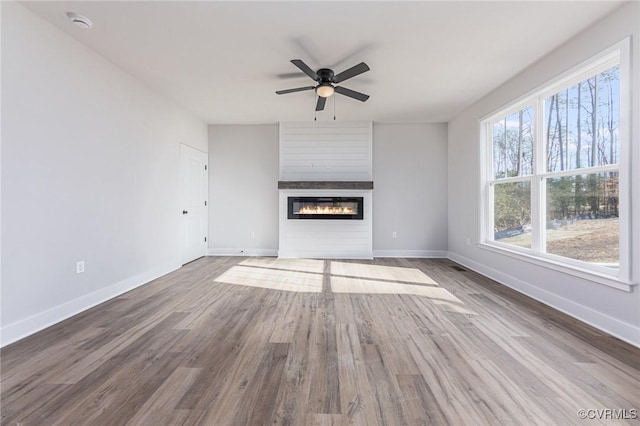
point(184, 212)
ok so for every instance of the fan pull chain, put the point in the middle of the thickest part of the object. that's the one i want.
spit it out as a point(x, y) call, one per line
point(334, 108)
point(315, 113)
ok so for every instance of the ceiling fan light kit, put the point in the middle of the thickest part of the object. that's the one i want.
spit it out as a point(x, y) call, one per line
point(327, 82)
point(325, 90)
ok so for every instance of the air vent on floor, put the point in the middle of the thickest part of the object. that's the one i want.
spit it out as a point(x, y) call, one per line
point(458, 268)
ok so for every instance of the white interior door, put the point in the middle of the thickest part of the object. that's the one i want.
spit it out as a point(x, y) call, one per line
point(194, 189)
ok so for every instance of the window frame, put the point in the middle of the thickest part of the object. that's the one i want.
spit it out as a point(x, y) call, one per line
point(620, 278)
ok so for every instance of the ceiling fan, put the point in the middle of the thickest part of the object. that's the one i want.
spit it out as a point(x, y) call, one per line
point(327, 82)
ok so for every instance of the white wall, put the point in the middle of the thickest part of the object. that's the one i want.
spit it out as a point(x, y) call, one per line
point(243, 189)
point(410, 190)
point(90, 171)
point(612, 310)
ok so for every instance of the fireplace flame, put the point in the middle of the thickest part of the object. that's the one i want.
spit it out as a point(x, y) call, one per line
point(325, 210)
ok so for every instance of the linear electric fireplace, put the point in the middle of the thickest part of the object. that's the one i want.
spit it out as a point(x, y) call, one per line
point(341, 208)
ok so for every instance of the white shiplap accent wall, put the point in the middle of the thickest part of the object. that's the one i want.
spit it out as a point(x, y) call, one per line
point(336, 239)
point(326, 151)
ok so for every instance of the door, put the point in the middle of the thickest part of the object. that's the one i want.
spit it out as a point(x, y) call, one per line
point(194, 188)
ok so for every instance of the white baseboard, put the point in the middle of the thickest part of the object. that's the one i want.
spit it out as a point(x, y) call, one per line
point(410, 253)
point(622, 330)
point(30, 325)
point(242, 252)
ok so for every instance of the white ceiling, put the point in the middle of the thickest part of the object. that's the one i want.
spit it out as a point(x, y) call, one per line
point(224, 60)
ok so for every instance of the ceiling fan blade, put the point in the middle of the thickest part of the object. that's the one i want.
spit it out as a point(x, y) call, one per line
point(351, 93)
point(351, 72)
point(297, 89)
point(305, 68)
point(320, 104)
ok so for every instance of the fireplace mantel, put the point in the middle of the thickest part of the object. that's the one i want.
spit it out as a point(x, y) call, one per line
point(305, 184)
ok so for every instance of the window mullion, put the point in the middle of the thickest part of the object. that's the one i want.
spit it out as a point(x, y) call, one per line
point(582, 171)
point(487, 221)
point(538, 228)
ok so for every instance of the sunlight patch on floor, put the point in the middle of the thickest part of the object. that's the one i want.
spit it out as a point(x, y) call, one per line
point(379, 272)
point(359, 285)
point(306, 276)
point(274, 279)
point(300, 265)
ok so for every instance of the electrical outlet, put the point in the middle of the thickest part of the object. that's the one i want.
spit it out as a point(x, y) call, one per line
point(253, 235)
point(79, 266)
point(468, 241)
point(394, 234)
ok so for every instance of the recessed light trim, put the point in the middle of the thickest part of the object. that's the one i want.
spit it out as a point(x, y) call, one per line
point(80, 21)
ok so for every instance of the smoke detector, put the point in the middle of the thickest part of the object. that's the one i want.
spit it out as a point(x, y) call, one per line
point(80, 21)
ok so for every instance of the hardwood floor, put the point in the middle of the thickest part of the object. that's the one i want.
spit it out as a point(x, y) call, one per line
point(226, 341)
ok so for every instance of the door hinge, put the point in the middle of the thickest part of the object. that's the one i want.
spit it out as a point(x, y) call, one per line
point(205, 167)
point(205, 202)
point(205, 239)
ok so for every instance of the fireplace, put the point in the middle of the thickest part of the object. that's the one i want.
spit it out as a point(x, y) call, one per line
point(335, 208)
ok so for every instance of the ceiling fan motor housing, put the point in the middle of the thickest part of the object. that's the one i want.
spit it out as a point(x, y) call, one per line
point(325, 75)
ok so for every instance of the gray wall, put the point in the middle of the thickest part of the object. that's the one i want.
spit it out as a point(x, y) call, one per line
point(90, 171)
point(607, 308)
point(410, 195)
point(243, 189)
point(410, 167)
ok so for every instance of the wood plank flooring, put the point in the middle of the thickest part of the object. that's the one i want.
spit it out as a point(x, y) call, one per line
point(251, 341)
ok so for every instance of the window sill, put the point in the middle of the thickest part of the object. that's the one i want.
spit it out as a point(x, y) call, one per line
point(600, 278)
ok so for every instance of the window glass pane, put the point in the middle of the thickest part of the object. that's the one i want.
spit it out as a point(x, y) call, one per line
point(513, 145)
point(582, 218)
point(574, 115)
point(512, 213)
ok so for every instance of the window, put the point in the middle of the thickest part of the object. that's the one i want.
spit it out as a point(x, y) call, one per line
point(553, 163)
